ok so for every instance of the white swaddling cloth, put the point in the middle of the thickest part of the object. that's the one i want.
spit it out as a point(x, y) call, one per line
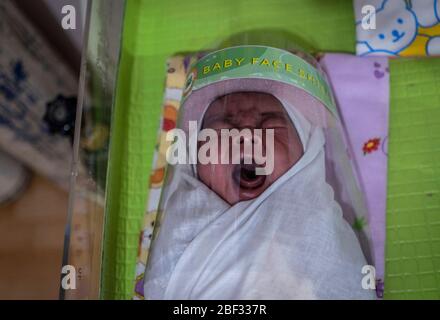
point(291, 242)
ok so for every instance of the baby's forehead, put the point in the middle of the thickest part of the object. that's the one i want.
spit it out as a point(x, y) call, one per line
point(255, 102)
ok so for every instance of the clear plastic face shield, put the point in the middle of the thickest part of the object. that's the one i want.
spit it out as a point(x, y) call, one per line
point(260, 193)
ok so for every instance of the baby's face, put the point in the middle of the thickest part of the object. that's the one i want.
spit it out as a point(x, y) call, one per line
point(249, 110)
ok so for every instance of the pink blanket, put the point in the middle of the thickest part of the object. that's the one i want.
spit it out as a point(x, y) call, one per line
point(361, 86)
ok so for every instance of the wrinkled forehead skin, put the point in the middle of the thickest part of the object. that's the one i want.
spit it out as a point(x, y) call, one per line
point(243, 105)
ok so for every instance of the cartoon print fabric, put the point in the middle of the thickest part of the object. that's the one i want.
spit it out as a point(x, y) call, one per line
point(361, 87)
point(402, 28)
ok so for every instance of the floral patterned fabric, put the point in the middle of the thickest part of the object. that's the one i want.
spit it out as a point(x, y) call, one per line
point(361, 87)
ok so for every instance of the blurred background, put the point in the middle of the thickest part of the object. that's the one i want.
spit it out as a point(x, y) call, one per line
point(39, 71)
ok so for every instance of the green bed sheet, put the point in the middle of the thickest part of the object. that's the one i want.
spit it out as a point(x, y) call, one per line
point(155, 30)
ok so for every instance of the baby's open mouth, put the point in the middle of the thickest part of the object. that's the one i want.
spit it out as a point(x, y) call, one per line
point(245, 176)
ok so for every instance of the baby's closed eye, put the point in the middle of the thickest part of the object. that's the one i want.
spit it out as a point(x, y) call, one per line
point(219, 124)
point(274, 122)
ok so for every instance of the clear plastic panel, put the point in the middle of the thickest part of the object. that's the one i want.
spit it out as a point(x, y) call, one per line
point(84, 231)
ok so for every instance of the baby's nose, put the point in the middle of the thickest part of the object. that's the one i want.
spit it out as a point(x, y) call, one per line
point(395, 33)
point(247, 120)
point(248, 144)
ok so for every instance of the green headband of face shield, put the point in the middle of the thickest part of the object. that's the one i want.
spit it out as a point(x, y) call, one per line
point(259, 62)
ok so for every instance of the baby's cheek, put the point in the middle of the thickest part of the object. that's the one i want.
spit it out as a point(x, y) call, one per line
point(284, 157)
point(213, 175)
point(207, 152)
point(219, 179)
point(203, 171)
point(281, 162)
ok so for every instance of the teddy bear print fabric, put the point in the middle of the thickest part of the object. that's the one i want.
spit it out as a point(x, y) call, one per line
point(397, 27)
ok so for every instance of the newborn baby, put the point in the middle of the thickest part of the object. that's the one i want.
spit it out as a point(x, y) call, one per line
point(249, 110)
point(227, 233)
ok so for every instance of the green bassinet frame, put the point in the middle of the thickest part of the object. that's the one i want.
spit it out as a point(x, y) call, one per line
point(153, 31)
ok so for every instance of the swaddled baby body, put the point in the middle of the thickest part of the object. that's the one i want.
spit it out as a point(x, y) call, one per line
point(228, 233)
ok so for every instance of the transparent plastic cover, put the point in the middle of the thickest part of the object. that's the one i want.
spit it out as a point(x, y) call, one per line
point(260, 194)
